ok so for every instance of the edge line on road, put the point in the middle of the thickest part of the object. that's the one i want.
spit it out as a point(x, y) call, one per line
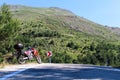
point(12, 74)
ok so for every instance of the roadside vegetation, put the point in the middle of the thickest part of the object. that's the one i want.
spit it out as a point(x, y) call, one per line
point(67, 43)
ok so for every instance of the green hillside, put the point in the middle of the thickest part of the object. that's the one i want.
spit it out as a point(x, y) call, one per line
point(71, 38)
point(66, 17)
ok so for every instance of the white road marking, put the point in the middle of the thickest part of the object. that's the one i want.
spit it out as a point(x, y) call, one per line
point(65, 66)
point(17, 69)
point(12, 74)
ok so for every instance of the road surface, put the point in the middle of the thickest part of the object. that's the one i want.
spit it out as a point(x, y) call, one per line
point(59, 72)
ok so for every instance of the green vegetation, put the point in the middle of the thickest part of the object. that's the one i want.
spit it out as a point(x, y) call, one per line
point(8, 28)
point(72, 39)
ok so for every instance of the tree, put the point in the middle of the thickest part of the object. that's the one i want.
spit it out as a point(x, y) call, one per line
point(8, 25)
point(8, 28)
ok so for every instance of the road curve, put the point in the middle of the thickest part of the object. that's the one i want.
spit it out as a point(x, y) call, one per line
point(59, 72)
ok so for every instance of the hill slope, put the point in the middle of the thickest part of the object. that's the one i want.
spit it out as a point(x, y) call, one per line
point(71, 38)
point(61, 15)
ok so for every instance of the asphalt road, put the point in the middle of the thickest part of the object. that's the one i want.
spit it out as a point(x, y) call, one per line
point(59, 72)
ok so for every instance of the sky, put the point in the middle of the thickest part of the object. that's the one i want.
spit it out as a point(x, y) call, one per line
point(104, 12)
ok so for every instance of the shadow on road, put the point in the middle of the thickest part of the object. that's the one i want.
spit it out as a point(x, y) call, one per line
point(52, 73)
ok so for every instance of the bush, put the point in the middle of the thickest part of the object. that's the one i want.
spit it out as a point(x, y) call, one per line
point(1, 58)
